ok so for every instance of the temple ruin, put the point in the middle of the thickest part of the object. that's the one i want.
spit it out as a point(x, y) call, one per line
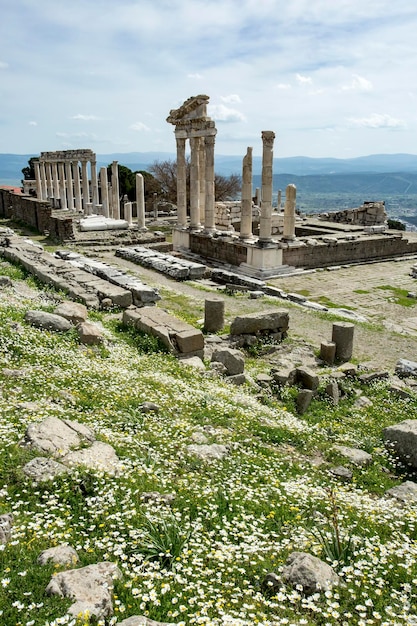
point(75, 203)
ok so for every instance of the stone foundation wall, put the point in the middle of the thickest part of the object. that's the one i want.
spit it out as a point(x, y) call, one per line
point(369, 214)
point(229, 213)
point(37, 214)
point(336, 252)
point(218, 249)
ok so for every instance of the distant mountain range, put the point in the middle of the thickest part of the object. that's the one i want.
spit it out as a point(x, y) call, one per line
point(12, 164)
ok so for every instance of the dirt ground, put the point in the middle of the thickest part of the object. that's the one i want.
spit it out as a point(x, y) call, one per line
point(391, 329)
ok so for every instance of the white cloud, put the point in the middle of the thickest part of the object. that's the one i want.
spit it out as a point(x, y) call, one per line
point(283, 86)
point(196, 76)
point(3, 65)
point(32, 123)
point(85, 118)
point(358, 83)
point(233, 98)
point(140, 126)
point(377, 120)
point(76, 135)
point(304, 80)
point(221, 113)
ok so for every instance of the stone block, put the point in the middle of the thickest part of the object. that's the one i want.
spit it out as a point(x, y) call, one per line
point(307, 378)
point(258, 322)
point(190, 340)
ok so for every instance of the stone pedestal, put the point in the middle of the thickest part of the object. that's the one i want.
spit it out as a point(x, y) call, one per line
point(180, 239)
point(342, 336)
point(262, 262)
point(213, 314)
point(328, 351)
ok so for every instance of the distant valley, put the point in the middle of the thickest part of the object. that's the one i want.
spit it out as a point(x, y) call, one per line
point(323, 184)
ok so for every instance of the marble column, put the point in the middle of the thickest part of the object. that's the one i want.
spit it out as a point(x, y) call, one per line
point(127, 209)
point(203, 178)
point(86, 187)
point(140, 202)
point(94, 185)
point(104, 192)
point(209, 199)
point(279, 200)
point(115, 209)
point(44, 191)
point(195, 184)
point(265, 223)
point(181, 183)
point(49, 186)
point(55, 181)
point(70, 192)
point(62, 186)
point(77, 186)
point(246, 201)
point(289, 213)
point(38, 180)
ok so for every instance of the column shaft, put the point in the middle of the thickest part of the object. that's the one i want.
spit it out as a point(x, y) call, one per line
point(115, 212)
point(140, 202)
point(38, 180)
point(94, 185)
point(195, 183)
point(181, 183)
point(77, 186)
point(209, 199)
point(70, 192)
point(265, 226)
point(104, 191)
point(85, 185)
point(44, 191)
point(62, 186)
point(289, 212)
point(246, 202)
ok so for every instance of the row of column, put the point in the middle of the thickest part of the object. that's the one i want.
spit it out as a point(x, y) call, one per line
point(202, 200)
point(61, 180)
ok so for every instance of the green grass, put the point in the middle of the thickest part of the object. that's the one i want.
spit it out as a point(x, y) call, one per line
point(205, 556)
point(399, 296)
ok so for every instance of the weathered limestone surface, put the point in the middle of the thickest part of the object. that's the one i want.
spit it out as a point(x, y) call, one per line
point(91, 587)
point(275, 321)
point(99, 456)
point(140, 620)
point(42, 468)
point(6, 523)
point(178, 336)
point(310, 572)
point(401, 439)
point(89, 334)
point(206, 452)
point(75, 312)
point(47, 321)
point(232, 359)
point(406, 492)
point(355, 455)
point(60, 555)
point(56, 436)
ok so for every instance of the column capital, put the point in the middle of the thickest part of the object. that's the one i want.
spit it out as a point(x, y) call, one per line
point(268, 137)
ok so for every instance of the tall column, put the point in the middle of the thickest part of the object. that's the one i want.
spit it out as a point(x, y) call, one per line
point(44, 191)
point(38, 180)
point(265, 223)
point(84, 180)
point(104, 191)
point(246, 201)
point(203, 177)
point(55, 180)
point(49, 187)
point(127, 210)
point(94, 185)
point(181, 182)
point(289, 213)
point(115, 212)
point(70, 192)
point(279, 199)
point(209, 199)
point(195, 184)
point(77, 186)
point(62, 189)
point(140, 202)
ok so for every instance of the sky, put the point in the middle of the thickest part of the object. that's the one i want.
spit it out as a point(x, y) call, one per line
point(331, 78)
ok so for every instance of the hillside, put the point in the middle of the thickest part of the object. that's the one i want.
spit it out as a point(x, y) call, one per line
point(194, 538)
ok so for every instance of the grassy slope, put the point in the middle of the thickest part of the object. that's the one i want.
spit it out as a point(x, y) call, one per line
point(203, 560)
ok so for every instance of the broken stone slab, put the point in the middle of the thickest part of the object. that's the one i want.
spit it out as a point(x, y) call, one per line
point(257, 322)
point(313, 574)
point(91, 587)
point(191, 340)
point(231, 358)
point(342, 473)
point(6, 524)
point(401, 439)
point(237, 379)
point(348, 369)
point(59, 555)
point(57, 437)
point(305, 377)
point(41, 469)
point(140, 620)
point(355, 455)
point(303, 400)
point(193, 361)
point(99, 455)
point(47, 321)
point(406, 368)
point(333, 392)
point(406, 492)
point(366, 379)
point(362, 402)
point(89, 334)
point(74, 312)
point(208, 452)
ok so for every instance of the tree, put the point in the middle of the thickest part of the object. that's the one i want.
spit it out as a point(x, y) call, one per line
point(29, 171)
point(396, 224)
point(165, 172)
point(127, 183)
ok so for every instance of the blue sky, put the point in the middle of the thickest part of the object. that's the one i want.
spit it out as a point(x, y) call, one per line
point(331, 78)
